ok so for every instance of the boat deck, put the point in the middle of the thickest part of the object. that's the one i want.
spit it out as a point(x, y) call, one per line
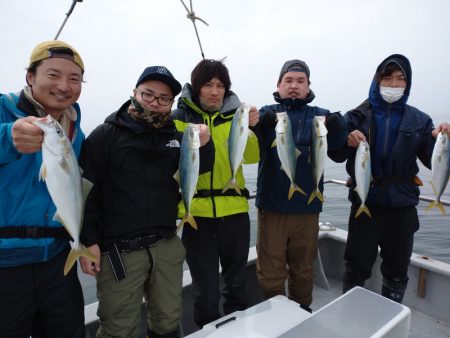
point(428, 294)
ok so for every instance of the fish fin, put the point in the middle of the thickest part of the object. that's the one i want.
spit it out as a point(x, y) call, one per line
point(188, 218)
point(436, 204)
point(64, 165)
point(297, 153)
point(86, 186)
point(274, 143)
point(74, 254)
point(176, 176)
point(232, 184)
point(365, 209)
point(293, 189)
point(251, 133)
point(42, 172)
point(314, 194)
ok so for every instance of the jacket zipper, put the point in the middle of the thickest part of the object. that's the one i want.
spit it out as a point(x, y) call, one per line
point(386, 135)
point(213, 201)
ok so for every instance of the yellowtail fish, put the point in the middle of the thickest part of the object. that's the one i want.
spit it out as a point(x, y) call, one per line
point(440, 170)
point(317, 155)
point(189, 170)
point(236, 144)
point(363, 175)
point(287, 152)
point(61, 174)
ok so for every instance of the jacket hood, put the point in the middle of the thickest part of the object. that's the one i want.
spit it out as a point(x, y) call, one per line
point(375, 97)
point(230, 102)
point(122, 119)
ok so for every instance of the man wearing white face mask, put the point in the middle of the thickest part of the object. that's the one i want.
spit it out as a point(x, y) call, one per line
point(398, 134)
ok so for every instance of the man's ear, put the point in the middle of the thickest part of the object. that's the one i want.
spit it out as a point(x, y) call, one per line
point(29, 78)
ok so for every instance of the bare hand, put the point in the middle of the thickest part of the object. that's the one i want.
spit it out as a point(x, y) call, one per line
point(354, 138)
point(443, 128)
point(205, 134)
point(27, 138)
point(253, 116)
point(89, 267)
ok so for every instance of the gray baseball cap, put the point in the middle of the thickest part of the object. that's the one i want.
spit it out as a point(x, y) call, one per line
point(294, 66)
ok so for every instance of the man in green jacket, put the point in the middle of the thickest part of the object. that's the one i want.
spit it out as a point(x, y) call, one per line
point(223, 233)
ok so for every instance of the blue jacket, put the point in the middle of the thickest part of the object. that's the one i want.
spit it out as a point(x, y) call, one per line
point(24, 200)
point(273, 183)
point(397, 134)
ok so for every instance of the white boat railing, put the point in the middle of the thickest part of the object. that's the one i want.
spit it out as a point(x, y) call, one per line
point(421, 197)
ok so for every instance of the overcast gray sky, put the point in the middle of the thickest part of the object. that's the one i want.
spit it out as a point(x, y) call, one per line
point(342, 42)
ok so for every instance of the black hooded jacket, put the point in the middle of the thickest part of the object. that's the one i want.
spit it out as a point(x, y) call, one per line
point(132, 166)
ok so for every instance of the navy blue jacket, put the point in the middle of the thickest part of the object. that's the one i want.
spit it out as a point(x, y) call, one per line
point(398, 134)
point(273, 183)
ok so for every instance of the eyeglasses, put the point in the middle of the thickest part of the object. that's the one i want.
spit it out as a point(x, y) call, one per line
point(149, 98)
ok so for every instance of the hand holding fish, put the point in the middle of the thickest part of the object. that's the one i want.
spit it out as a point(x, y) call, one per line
point(27, 137)
point(89, 267)
point(442, 128)
point(204, 134)
point(354, 138)
point(253, 116)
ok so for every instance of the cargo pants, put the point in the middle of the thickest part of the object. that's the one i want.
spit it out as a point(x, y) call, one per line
point(155, 273)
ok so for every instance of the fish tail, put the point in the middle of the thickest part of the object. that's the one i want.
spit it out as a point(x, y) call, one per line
point(436, 204)
point(314, 194)
point(74, 254)
point(293, 189)
point(188, 218)
point(361, 209)
point(232, 184)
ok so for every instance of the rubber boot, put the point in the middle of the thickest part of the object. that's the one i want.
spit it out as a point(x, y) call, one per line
point(347, 286)
point(174, 334)
point(306, 308)
point(394, 289)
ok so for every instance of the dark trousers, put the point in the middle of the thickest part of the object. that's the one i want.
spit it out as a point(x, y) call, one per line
point(38, 300)
point(223, 240)
point(392, 229)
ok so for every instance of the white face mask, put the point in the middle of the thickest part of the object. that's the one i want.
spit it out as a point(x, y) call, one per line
point(391, 94)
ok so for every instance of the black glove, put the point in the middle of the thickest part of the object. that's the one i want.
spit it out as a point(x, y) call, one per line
point(334, 123)
point(268, 119)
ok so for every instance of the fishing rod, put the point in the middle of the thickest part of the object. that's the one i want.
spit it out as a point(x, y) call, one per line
point(74, 2)
point(191, 16)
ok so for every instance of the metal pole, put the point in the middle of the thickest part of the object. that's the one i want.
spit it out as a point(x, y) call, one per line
point(74, 2)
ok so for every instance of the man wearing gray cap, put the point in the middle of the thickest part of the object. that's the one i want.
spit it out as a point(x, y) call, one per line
point(288, 222)
point(130, 214)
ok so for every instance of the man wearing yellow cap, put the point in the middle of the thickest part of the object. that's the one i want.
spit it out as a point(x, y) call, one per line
point(36, 299)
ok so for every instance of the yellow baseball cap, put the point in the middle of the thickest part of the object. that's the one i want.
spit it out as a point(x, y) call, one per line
point(55, 49)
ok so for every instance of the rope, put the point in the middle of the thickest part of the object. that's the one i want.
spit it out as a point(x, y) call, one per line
point(191, 16)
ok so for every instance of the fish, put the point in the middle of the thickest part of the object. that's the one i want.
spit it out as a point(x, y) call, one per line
point(62, 176)
point(363, 175)
point(287, 152)
point(189, 170)
point(317, 155)
point(440, 170)
point(237, 141)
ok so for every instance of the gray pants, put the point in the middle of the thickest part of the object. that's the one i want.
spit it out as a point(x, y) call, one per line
point(155, 273)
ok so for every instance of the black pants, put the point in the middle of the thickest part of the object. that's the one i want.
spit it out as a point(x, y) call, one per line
point(222, 240)
point(390, 228)
point(38, 300)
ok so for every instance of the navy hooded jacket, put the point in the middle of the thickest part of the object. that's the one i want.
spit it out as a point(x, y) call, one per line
point(398, 134)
